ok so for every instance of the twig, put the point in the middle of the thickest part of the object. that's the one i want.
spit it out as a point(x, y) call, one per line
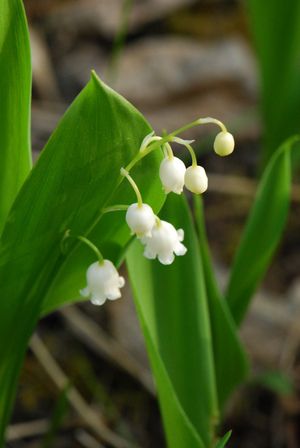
point(79, 404)
point(99, 341)
point(28, 429)
point(87, 440)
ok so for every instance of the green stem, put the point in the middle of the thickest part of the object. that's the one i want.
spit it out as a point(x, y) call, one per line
point(119, 41)
point(114, 208)
point(159, 143)
point(125, 173)
point(87, 242)
point(192, 152)
point(213, 120)
point(169, 151)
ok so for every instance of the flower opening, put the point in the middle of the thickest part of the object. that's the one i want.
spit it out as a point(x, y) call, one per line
point(195, 179)
point(140, 219)
point(103, 282)
point(165, 241)
point(171, 173)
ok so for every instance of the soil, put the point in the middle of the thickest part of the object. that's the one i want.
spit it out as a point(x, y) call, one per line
point(260, 414)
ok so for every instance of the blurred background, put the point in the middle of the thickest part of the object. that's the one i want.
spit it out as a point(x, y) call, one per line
point(175, 61)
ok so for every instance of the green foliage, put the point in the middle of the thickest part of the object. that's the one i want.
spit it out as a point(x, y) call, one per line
point(224, 440)
point(190, 331)
point(275, 26)
point(263, 230)
point(173, 310)
point(71, 182)
point(15, 91)
point(231, 363)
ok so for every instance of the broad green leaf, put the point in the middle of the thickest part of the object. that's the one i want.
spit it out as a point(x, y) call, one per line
point(275, 26)
point(231, 363)
point(178, 429)
point(263, 230)
point(111, 234)
point(224, 440)
point(15, 93)
point(76, 176)
point(173, 307)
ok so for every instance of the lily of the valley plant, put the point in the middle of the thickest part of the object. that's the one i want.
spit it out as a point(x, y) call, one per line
point(106, 188)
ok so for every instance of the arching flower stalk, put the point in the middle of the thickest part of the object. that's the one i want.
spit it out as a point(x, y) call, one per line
point(103, 279)
point(195, 178)
point(139, 217)
point(224, 141)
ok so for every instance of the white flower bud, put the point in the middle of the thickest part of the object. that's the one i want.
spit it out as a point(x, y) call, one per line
point(140, 219)
point(171, 173)
point(164, 243)
point(224, 144)
point(195, 179)
point(103, 282)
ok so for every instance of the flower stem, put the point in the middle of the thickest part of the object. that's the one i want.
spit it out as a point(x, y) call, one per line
point(213, 120)
point(113, 208)
point(169, 151)
point(86, 241)
point(134, 186)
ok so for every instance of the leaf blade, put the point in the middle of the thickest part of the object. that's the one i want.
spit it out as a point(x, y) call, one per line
point(231, 362)
point(173, 304)
point(263, 230)
point(72, 180)
point(15, 94)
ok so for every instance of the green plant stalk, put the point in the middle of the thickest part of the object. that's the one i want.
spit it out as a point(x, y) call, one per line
point(15, 96)
point(275, 28)
point(231, 361)
point(119, 41)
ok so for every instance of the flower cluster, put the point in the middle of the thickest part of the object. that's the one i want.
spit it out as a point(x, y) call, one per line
point(160, 238)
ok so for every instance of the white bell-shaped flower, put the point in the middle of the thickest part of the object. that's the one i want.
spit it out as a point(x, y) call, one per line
point(224, 143)
point(140, 219)
point(103, 282)
point(195, 179)
point(171, 173)
point(165, 241)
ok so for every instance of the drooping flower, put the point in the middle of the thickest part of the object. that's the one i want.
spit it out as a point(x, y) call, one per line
point(103, 282)
point(140, 219)
point(171, 173)
point(165, 241)
point(195, 179)
point(224, 143)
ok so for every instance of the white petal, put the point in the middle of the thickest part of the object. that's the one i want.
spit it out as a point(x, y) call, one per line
point(103, 281)
point(171, 173)
point(166, 258)
point(165, 240)
point(114, 294)
point(150, 254)
point(98, 300)
point(85, 292)
point(180, 234)
point(121, 282)
point(180, 249)
point(140, 219)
